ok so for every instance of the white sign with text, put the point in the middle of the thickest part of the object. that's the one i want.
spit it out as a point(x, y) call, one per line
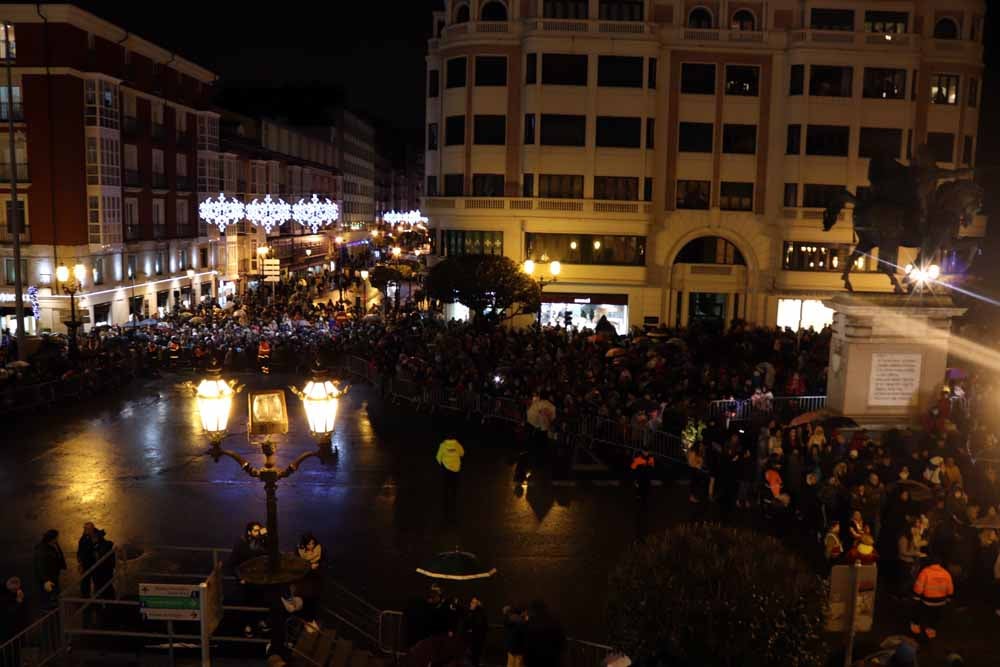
point(894, 379)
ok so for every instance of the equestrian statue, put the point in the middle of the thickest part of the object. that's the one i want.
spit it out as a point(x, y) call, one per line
point(908, 206)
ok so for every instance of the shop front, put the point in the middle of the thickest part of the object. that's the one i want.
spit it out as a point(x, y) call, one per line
point(585, 310)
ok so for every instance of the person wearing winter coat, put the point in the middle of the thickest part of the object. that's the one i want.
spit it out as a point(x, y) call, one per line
point(475, 625)
point(311, 587)
point(105, 571)
point(14, 610)
point(49, 563)
point(85, 557)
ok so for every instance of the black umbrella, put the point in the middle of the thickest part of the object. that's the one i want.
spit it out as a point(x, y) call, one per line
point(456, 566)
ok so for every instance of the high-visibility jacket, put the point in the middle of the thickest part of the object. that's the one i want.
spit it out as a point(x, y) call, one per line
point(642, 461)
point(450, 455)
point(934, 586)
point(264, 348)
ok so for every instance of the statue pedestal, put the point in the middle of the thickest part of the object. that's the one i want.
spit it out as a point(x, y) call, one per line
point(888, 355)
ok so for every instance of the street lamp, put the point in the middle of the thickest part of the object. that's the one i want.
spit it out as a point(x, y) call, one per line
point(364, 286)
point(268, 415)
point(555, 268)
point(71, 287)
point(190, 275)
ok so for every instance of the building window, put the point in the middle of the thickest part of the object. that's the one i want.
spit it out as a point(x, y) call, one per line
point(433, 83)
point(432, 136)
point(491, 71)
point(710, 250)
point(973, 98)
point(94, 219)
point(459, 242)
point(131, 219)
point(812, 256)
point(694, 194)
point(489, 130)
point(651, 74)
point(8, 271)
point(159, 219)
point(886, 22)
point(208, 133)
point(620, 10)
point(97, 270)
point(462, 14)
point(531, 68)
point(563, 130)
point(832, 19)
point(622, 188)
point(6, 108)
point(967, 150)
point(700, 19)
point(454, 130)
point(8, 42)
point(736, 196)
point(111, 219)
point(796, 79)
point(832, 140)
point(101, 104)
point(742, 80)
point(9, 222)
point(454, 185)
point(880, 141)
point(592, 249)
point(564, 69)
point(695, 137)
point(791, 198)
point(93, 162)
point(619, 71)
point(885, 84)
point(740, 139)
point(487, 185)
point(529, 129)
point(944, 88)
point(829, 81)
point(647, 189)
point(560, 186)
point(941, 146)
point(650, 133)
point(203, 259)
point(432, 186)
point(455, 73)
point(159, 263)
point(528, 185)
point(493, 10)
point(819, 196)
point(946, 28)
point(565, 9)
point(182, 215)
point(793, 143)
point(698, 79)
point(131, 264)
point(618, 132)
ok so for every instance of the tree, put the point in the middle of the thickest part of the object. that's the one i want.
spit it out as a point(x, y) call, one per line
point(491, 286)
point(382, 276)
point(706, 595)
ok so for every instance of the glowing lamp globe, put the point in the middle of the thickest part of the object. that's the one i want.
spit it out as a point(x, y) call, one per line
point(320, 398)
point(555, 268)
point(215, 401)
point(529, 266)
point(62, 273)
point(364, 274)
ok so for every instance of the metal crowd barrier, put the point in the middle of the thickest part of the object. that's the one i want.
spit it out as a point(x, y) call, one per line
point(39, 644)
point(744, 409)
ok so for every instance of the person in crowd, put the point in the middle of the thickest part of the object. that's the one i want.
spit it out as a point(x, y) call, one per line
point(775, 484)
point(932, 591)
point(49, 564)
point(833, 548)
point(863, 552)
point(85, 557)
point(475, 626)
point(544, 639)
point(513, 621)
point(14, 609)
point(104, 571)
point(310, 589)
point(911, 552)
point(696, 463)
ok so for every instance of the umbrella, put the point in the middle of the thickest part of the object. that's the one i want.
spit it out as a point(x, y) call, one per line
point(196, 320)
point(165, 325)
point(456, 566)
point(615, 352)
point(18, 364)
point(824, 415)
point(919, 491)
point(541, 413)
point(987, 522)
point(148, 322)
point(185, 315)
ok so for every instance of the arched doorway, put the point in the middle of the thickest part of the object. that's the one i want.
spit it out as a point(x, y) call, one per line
point(708, 284)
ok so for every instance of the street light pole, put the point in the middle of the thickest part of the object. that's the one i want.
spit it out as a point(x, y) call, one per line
point(555, 268)
point(71, 284)
point(15, 221)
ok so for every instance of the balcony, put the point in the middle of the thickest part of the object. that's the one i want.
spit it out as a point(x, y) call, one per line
point(159, 131)
point(21, 172)
point(5, 110)
point(635, 211)
point(7, 235)
point(184, 183)
point(185, 140)
point(133, 233)
point(159, 181)
point(131, 125)
point(159, 231)
point(186, 231)
point(133, 179)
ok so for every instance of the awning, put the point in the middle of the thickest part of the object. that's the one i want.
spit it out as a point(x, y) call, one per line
point(584, 298)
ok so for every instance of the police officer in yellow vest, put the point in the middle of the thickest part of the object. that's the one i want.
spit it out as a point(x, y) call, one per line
point(449, 457)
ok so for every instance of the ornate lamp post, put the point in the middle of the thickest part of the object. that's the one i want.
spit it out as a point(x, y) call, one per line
point(71, 285)
point(190, 275)
point(555, 268)
point(268, 415)
point(364, 287)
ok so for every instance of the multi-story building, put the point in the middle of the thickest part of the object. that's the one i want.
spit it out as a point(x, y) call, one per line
point(108, 128)
point(675, 155)
point(354, 139)
point(259, 157)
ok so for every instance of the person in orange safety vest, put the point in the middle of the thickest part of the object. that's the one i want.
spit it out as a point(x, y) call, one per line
point(932, 591)
point(264, 356)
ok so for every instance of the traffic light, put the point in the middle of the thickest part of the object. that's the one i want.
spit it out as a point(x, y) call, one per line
point(568, 319)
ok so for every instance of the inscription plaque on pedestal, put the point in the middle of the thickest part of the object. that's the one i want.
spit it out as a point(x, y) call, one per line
point(894, 379)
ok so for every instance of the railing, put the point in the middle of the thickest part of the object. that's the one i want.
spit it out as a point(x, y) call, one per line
point(131, 125)
point(159, 231)
point(159, 131)
point(22, 172)
point(600, 27)
point(596, 206)
point(159, 180)
point(741, 410)
point(5, 109)
point(133, 179)
point(7, 236)
point(132, 232)
point(184, 183)
point(38, 644)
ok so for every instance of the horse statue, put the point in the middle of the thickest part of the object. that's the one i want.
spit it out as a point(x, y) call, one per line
point(907, 207)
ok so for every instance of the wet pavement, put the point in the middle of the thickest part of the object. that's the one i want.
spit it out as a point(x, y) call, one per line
point(135, 463)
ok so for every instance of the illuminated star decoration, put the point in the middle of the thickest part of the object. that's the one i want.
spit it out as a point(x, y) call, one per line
point(268, 213)
point(221, 212)
point(315, 213)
